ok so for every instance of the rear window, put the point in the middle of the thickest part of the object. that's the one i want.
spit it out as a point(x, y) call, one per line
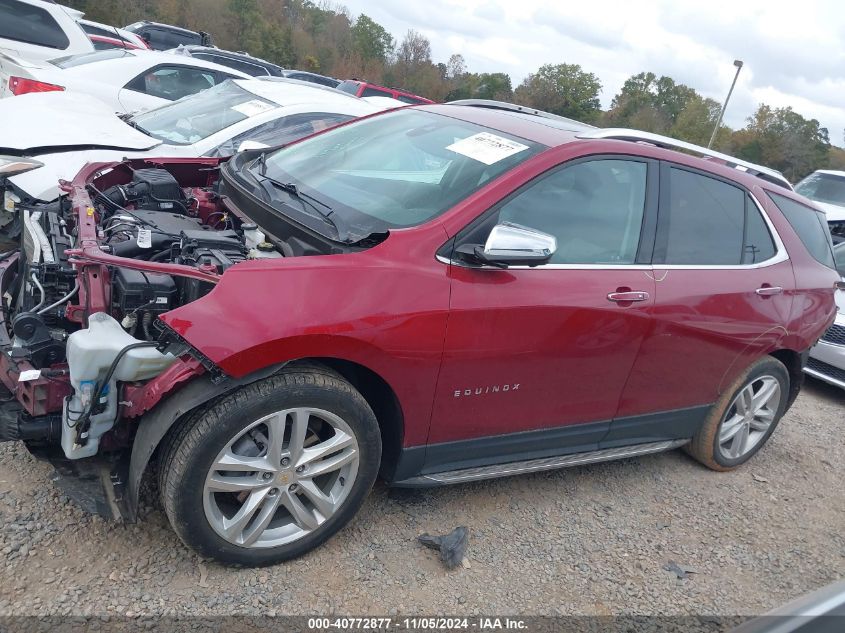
point(89, 58)
point(375, 92)
point(96, 30)
point(828, 188)
point(249, 68)
point(162, 39)
point(349, 86)
point(811, 227)
point(26, 23)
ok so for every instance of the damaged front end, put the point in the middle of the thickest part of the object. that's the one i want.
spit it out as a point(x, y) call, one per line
point(83, 354)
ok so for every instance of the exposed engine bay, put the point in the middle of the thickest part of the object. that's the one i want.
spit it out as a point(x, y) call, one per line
point(82, 293)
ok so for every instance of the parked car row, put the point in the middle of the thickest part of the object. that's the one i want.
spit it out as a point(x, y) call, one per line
point(431, 293)
point(39, 36)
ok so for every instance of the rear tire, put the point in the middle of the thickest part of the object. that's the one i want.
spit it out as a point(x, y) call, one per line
point(272, 470)
point(744, 418)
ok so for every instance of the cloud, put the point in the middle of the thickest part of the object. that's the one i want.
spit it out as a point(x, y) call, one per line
point(794, 54)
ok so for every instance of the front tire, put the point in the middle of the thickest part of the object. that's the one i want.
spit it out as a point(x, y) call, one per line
point(744, 418)
point(273, 470)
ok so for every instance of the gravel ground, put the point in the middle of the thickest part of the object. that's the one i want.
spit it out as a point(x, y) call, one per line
point(588, 540)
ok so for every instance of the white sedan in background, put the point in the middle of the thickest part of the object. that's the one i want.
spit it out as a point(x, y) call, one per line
point(125, 80)
point(50, 130)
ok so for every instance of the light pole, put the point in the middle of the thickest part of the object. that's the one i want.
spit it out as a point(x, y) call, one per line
point(738, 64)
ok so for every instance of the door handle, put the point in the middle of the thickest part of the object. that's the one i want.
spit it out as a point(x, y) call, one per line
point(623, 297)
point(768, 291)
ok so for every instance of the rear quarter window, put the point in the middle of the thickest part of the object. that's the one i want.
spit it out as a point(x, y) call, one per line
point(26, 23)
point(810, 225)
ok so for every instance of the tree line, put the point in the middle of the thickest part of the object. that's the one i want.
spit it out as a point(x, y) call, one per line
point(326, 38)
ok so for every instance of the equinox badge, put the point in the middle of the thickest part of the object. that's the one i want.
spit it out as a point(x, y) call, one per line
point(480, 391)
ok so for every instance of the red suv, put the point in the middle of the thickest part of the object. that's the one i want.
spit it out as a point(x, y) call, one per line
point(435, 295)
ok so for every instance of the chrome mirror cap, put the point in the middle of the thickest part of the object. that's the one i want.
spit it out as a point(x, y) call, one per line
point(514, 244)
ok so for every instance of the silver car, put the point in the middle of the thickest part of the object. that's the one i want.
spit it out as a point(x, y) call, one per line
point(827, 358)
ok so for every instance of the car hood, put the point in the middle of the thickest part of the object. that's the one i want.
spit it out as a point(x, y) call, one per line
point(54, 122)
point(43, 183)
point(834, 212)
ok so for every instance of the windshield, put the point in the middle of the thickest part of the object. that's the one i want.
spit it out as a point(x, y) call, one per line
point(198, 116)
point(828, 188)
point(398, 169)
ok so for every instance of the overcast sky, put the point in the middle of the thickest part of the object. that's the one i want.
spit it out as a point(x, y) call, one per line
point(794, 52)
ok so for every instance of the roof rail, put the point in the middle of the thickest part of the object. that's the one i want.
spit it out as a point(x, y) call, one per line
point(513, 107)
point(624, 134)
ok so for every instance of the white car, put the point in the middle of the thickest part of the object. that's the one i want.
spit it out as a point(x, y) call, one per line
point(216, 123)
point(41, 29)
point(826, 188)
point(125, 80)
point(827, 358)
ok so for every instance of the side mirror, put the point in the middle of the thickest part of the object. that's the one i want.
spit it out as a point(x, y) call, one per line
point(512, 245)
point(246, 145)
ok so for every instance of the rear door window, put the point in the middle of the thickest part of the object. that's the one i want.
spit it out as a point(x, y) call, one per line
point(810, 225)
point(701, 220)
point(26, 23)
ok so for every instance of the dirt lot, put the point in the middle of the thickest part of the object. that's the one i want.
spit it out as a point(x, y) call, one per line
point(588, 540)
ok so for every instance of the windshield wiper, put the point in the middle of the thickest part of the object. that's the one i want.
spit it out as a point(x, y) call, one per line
point(305, 200)
point(129, 121)
point(261, 161)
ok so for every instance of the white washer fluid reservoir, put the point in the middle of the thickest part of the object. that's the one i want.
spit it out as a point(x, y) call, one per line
point(90, 352)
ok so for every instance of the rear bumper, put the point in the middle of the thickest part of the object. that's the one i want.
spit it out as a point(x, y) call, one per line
point(827, 362)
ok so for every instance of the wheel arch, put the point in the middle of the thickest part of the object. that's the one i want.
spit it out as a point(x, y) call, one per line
point(158, 423)
point(794, 363)
point(382, 400)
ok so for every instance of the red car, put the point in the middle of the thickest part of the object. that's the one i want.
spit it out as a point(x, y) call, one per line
point(365, 89)
point(435, 294)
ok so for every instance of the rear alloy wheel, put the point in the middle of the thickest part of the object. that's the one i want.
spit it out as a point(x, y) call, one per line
point(744, 417)
point(271, 470)
point(749, 417)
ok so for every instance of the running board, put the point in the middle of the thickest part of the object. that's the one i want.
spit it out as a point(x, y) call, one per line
point(536, 465)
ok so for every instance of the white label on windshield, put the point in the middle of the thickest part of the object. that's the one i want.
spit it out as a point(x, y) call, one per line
point(487, 148)
point(145, 238)
point(251, 108)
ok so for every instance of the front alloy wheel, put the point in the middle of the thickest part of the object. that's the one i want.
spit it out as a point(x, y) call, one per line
point(281, 477)
point(271, 470)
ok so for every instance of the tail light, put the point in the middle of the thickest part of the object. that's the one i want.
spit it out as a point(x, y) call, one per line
point(21, 86)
